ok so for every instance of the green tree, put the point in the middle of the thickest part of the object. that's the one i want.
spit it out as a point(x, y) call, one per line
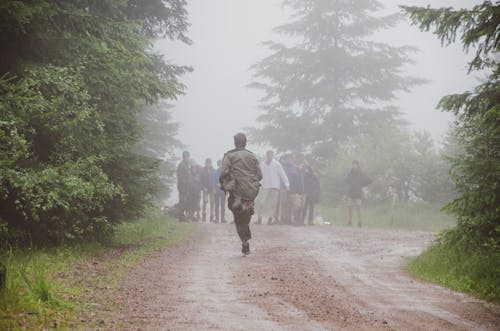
point(391, 157)
point(476, 170)
point(74, 77)
point(158, 143)
point(329, 82)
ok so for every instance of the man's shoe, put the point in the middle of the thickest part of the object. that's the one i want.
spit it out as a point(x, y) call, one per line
point(245, 248)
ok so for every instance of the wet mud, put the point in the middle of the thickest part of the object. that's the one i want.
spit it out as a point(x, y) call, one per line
point(296, 278)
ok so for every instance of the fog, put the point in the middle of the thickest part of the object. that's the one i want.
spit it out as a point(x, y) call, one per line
point(227, 39)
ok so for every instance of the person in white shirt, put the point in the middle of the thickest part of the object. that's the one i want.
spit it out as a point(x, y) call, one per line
point(273, 176)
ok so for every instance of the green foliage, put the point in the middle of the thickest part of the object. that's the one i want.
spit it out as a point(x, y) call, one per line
point(74, 78)
point(50, 171)
point(460, 268)
point(476, 168)
point(159, 142)
point(478, 28)
point(330, 83)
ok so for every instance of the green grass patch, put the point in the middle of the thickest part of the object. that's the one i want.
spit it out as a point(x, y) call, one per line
point(460, 269)
point(43, 288)
point(406, 216)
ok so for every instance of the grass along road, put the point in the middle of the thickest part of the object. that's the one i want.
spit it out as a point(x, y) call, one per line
point(63, 287)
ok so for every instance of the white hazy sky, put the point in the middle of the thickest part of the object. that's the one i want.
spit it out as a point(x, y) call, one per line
point(227, 37)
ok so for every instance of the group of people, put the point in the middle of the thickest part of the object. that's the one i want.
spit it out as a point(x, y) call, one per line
point(198, 189)
point(289, 191)
point(285, 191)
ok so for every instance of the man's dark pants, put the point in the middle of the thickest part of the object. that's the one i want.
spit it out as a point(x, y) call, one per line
point(309, 206)
point(242, 216)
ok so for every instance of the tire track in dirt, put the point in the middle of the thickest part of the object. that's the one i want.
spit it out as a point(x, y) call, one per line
point(320, 278)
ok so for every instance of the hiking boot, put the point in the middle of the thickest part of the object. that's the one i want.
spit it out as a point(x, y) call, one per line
point(245, 248)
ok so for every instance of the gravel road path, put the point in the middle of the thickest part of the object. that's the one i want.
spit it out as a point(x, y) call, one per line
point(297, 278)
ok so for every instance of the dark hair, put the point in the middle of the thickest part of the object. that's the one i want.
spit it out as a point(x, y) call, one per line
point(355, 162)
point(240, 140)
point(185, 154)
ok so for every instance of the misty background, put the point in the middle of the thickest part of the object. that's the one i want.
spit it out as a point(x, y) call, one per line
point(227, 40)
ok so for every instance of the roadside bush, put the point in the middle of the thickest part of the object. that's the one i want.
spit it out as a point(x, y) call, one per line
point(461, 268)
point(74, 77)
point(52, 187)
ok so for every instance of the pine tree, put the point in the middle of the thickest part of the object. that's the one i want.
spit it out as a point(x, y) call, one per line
point(74, 77)
point(476, 169)
point(332, 83)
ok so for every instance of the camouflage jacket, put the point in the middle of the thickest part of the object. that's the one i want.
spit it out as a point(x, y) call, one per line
point(240, 174)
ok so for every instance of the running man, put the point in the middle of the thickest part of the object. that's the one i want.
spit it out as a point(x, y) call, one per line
point(240, 176)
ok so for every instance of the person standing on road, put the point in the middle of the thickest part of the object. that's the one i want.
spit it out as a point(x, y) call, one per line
point(240, 176)
point(356, 181)
point(208, 185)
point(220, 197)
point(291, 200)
point(184, 184)
point(272, 177)
point(312, 190)
point(195, 192)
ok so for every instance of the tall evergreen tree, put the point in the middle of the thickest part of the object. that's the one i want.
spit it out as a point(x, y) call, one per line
point(476, 168)
point(74, 75)
point(330, 82)
point(158, 143)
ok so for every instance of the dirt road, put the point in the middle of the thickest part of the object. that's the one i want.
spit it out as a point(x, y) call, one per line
point(297, 278)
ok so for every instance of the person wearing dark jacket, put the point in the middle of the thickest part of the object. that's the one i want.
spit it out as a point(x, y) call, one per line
point(312, 192)
point(195, 192)
point(240, 176)
point(356, 181)
point(292, 200)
